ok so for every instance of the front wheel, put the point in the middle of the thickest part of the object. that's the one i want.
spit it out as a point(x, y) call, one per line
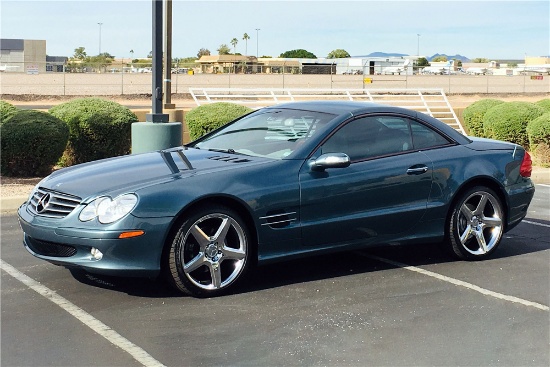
point(210, 252)
point(476, 224)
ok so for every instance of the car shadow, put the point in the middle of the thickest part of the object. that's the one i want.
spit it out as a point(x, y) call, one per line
point(138, 287)
point(521, 240)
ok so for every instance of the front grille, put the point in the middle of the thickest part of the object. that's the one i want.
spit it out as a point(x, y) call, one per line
point(52, 204)
point(49, 248)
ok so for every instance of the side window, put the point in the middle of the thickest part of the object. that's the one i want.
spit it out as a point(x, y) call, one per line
point(370, 137)
point(424, 137)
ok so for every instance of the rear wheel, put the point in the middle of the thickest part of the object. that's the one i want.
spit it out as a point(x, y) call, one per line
point(210, 252)
point(476, 224)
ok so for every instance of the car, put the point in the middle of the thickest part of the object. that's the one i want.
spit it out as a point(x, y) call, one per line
point(282, 182)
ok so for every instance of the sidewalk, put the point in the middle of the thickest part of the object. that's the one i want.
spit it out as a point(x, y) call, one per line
point(11, 199)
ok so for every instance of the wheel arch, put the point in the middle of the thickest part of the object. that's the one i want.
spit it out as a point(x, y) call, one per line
point(227, 201)
point(488, 182)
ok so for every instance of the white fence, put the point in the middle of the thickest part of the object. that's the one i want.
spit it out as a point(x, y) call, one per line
point(432, 102)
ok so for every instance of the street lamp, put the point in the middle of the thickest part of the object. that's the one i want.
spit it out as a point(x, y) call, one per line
point(100, 24)
point(418, 45)
point(257, 53)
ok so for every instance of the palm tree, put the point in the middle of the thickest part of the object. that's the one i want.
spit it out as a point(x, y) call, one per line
point(246, 37)
point(234, 42)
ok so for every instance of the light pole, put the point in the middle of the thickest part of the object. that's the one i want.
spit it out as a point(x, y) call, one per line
point(257, 53)
point(418, 44)
point(100, 24)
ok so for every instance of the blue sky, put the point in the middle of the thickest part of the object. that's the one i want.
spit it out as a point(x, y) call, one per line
point(490, 29)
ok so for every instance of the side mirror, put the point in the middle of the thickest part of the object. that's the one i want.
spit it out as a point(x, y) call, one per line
point(329, 160)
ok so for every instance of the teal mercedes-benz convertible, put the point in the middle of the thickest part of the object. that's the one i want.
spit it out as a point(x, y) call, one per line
point(287, 181)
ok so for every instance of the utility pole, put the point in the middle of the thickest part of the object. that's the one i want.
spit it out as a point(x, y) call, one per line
point(156, 133)
point(100, 24)
point(168, 56)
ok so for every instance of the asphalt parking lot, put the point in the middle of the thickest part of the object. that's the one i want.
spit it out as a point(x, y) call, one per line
point(397, 306)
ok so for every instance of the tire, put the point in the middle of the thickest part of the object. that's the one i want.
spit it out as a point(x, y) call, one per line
point(210, 252)
point(476, 224)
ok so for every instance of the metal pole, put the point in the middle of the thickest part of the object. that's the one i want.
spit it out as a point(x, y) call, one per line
point(257, 52)
point(168, 55)
point(100, 24)
point(156, 114)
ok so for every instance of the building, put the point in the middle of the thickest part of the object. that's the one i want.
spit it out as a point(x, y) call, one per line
point(214, 64)
point(18, 55)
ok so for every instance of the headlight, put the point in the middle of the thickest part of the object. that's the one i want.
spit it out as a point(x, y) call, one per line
point(108, 210)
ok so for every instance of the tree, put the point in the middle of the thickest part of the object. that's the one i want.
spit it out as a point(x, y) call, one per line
point(422, 61)
point(439, 59)
point(298, 54)
point(480, 60)
point(223, 49)
point(234, 42)
point(80, 53)
point(203, 52)
point(338, 54)
point(246, 37)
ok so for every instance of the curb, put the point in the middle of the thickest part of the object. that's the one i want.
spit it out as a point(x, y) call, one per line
point(12, 203)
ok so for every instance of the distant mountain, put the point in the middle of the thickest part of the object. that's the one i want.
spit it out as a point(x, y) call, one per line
point(395, 54)
point(382, 54)
point(450, 57)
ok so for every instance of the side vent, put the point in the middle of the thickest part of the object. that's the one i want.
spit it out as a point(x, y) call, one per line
point(229, 159)
point(278, 219)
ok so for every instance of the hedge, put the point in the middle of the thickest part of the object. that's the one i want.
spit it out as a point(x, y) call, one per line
point(98, 129)
point(32, 143)
point(203, 119)
point(7, 110)
point(508, 121)
point(539, 139)
point(544, 103)
point(474, 114)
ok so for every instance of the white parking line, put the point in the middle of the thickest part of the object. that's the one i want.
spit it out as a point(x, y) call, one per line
point(105, 331)
point(545, 185)
point(460, 283)
point(535, 223)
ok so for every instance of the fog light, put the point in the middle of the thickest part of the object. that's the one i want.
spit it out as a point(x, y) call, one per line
point(96, 254)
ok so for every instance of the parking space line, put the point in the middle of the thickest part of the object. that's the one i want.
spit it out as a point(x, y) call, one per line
point(536, 223)
point(460, 283)
point(105, 331)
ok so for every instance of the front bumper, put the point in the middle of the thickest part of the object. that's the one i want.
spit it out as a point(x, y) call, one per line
point(69, 242)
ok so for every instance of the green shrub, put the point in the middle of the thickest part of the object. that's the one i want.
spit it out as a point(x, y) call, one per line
point(544, 103)
point(474, 113)
point(7, 110)
point(538, 131)
point(32, 142)
point(203, 119)
point(508, 121)
point(98, 129)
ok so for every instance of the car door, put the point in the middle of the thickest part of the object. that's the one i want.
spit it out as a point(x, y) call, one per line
point(382, 193)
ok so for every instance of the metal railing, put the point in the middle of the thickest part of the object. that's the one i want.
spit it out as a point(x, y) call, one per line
point(432, 102)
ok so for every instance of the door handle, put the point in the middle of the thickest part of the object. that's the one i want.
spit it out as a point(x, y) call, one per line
point(417, 170)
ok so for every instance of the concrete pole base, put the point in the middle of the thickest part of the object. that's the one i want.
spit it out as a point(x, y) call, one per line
point(152, 136)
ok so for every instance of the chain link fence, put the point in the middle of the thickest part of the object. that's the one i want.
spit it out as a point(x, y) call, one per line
point(127, 78)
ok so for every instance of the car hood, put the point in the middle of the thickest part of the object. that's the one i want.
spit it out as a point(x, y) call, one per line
point(130, 173)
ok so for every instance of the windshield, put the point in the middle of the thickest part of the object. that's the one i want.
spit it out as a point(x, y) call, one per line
point(272, 133)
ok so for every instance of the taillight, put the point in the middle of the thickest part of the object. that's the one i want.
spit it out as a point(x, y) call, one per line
point(526, 166)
